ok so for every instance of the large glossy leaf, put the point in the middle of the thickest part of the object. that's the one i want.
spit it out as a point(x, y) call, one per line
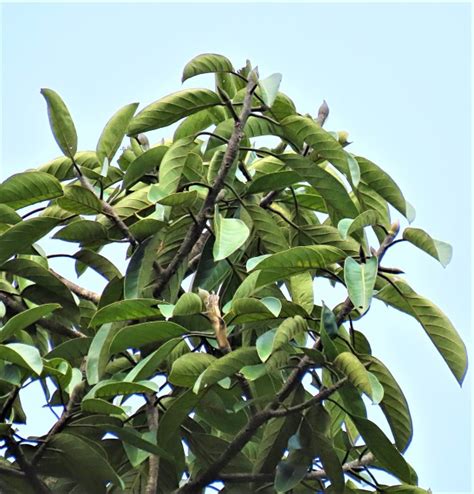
point(360, 281)
point(24, 189)
point(79, 200)
point(145, 163)
point(206, 63)
point(189, 303)
point(394, 404)
point(126, 309)
point(101, 264)
point(19, 237)
point(149, 365)
point(99, 352)
point(25, 356)
point(24, 319)
point(301, 290)
point(84, 231)
point(385, 452)
point(114, 132)
point(296, 260)
point(267, 229)
point(226, 366)
point(172, 164)
point(112, 388)
point(187, 368)
point(245, 309)
point(348, 226)
point(61, 123)
point(231, 234)
point(383, 184)
point(137, 335)
point(273, 181)
point(290, 328)
point(8, 216)
point(332, 190)
point(438, 249)
point(358, 375)
point(437, 326)
point(172, 108)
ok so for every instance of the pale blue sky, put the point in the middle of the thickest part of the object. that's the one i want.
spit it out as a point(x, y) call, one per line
point(396, 76)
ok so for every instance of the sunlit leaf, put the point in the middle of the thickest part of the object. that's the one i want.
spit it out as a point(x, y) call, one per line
point(360, 281)
point(231, 234)
point(438, 249)
point(205, 64)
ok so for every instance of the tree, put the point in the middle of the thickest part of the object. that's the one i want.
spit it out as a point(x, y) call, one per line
point(244, 378)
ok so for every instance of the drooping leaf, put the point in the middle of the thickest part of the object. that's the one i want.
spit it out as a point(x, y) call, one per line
point(301, 291)
point(172, 108)
point(97, 262)
point(79, 200)
point(19, 237)
point(99, 352)
point(269, 88)
point(27, 188)
point(264, 344)
point(145, 163)
point(360, 281)
point(114, 132)
point(273, 181)
point(226, 366)
point(187, 368)
point(25, 356)
point(347, 226)
point(189, 303)
point(438, 249)
point(231, 234)
point(437, 326)
point(61, 122)
point(24, 319)
point(290, 472)
point(206, 63)
point(112, 388)
point(290, 328)
point(83, 231)
point(99, 405)
point(126, 309)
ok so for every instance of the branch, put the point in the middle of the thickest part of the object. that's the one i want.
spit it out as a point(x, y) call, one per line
point(78, 290)
point(315, 475)
point(154, 460)
point(50, 324)
point(28, 469)
point(107, 209)
point(207, 209)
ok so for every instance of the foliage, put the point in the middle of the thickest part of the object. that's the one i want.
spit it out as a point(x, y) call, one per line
point(212, 322)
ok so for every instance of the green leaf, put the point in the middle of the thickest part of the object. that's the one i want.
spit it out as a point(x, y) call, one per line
point(437, 326)
point(250, 309)
point(267, 229)
point(264, 344)
point(131, 436)
point(25, 356)
point(231, 234)
point(347, 226)
point(61, 123)
point(394, 404)
point(354, 169)
point(181, 199)
point(8, 215)
point(147, 162)
point(386, 453)
point(97, 262)
point(330, 188)
point(272, 304)
point(111, 388)
point(99, 353)
point(24, 319)
point(172, 108)
point(27, 188)
point(137, 335)
point(79, 200)
point(19, 237)
point(290, 472)
point(140, 269)
point(187, 368)
point(114, 132)
point(296, 260)
point(189, 303)
point(438, 249)
point(226, 366)
point(98, 405)
point(301, 291)
point(358, 375)
point(269, 88)
point(360, 281)
point(172, 165)
point(290, 328)
point(84, 231)
point(206, 63)
point(383, 184)
point(406, 489)
point(126, 309)
point(149, 365)
point(273, 181)
point(79, 459)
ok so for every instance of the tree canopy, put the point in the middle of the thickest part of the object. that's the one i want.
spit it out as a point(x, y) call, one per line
point(247, 380)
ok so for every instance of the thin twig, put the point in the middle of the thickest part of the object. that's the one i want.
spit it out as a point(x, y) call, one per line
point(78, 290)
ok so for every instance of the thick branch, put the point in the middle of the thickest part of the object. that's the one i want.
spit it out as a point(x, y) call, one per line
point(78, 290)
point(315, 475)
point(50, 324)
point(154, 460)
point(207, 209)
